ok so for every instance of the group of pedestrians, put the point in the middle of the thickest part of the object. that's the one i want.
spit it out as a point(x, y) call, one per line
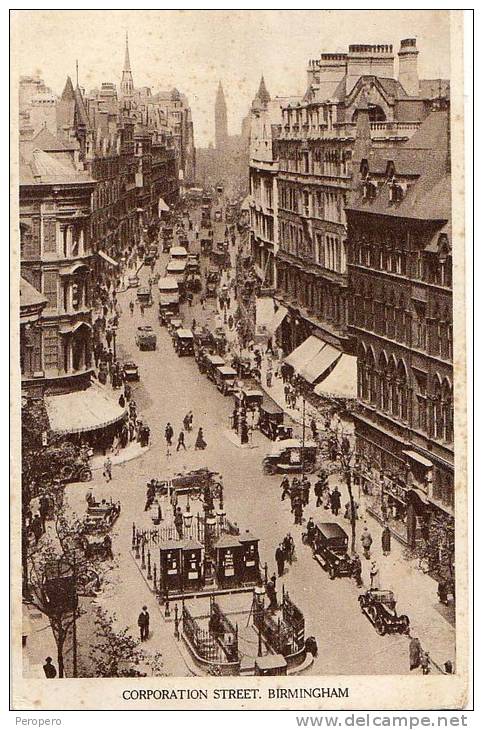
point(187, 426)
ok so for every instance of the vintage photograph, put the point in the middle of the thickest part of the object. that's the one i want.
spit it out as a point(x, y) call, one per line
point(233, 256)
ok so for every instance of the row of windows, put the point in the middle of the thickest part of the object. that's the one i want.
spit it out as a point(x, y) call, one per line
point(325, 301)
point(386, 386)
point(331, 252)
point(422, 265)
point(327, 205)
point(329, 163)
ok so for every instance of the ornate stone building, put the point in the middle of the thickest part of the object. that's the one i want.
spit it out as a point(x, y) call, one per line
point(400, 289)
point(313, 150)
point(56, 256)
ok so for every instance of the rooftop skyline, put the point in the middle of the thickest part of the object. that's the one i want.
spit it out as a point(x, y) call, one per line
point(187, 50)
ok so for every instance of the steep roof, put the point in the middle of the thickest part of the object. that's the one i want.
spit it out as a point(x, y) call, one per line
point(424, 158)
point(68, 92)
point(262, 94)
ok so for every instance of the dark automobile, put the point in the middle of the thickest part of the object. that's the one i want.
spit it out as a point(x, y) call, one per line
point(380, 608)
point(101, 516)
point(131, 371)
point(183, 342)
point(271, 420)
point(330, 549)
point(212, 363)
point(202, 338)
point(290, 455)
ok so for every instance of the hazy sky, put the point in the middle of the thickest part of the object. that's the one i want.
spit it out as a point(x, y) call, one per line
point(192, 50)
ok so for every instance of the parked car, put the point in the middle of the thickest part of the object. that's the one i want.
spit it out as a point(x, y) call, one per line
point(131, 371)
point(380, 608)
point(212, 363)
point(144, 296)
point(329, 544)
point(183, 342)
point(225, 379)
point(271, 420)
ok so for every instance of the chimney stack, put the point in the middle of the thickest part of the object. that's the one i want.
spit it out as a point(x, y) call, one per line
point(408, 66)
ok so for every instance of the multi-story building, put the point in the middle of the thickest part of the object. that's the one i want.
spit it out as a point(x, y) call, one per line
point(177, 113)
point(56, 256)
point(314, 151)
point(400, 289)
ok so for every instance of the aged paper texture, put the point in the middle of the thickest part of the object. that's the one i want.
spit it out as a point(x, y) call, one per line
point(238, 377)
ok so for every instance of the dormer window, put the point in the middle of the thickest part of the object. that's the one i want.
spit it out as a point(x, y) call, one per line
point(369, 189)
point(397, 190)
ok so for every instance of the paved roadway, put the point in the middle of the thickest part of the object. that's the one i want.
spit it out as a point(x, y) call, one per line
point(169, 387)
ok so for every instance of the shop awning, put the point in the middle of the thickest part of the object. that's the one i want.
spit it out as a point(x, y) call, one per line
point(277, 319)
point(162, 207)
point(342, 381)
point(320, 363)
point(304, 352)
point(83, 410)
point(107, 258)
point(420, 459)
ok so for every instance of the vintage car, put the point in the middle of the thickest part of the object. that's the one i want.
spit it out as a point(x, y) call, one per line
point(133, 281)
point(202, 337)
point(149, 258)
point(193, 263)
point(174, 323)
point(178, 253)
point(144, 296)
point(225, 379)
point(380, 608)
point(183, 342)
point(193, 282)
point(146, 338)
point(330, 549)
point(242, 365)
point(290, 455)
point(212, 363)
point(131, 371)
point(165, 315)
point(248, 396)
point(97, 545)
point(271, 420)
point(101, 516)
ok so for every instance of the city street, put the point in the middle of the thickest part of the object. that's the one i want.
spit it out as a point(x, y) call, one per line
point(168, 389)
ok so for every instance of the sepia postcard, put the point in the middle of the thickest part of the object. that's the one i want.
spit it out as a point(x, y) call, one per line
point(238, 374)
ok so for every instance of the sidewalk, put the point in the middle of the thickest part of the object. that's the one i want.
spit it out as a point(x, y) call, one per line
point(415, 591)
point(132, 451)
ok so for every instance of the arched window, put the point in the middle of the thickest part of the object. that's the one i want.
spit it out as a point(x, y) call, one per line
point(402, 388)
point(371, 374)
point(383, 382)
point(362, 388)
point(447, 410)
point(392, 405)
point(437, 416)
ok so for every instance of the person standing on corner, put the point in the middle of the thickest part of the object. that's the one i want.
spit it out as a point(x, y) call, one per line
point(143, 623)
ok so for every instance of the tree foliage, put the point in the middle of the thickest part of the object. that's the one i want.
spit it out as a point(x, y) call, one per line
point(116, 653)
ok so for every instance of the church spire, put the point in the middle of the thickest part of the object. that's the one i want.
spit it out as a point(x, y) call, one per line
point(221, 118)
point(127, 84)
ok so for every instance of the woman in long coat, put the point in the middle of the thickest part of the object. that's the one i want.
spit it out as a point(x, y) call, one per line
point(386, 540)
point(200, 441)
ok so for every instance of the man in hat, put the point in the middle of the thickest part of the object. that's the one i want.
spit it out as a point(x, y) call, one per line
point(143, 623)
point(49, 670)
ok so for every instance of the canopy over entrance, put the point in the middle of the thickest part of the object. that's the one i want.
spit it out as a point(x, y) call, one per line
point(83, 410)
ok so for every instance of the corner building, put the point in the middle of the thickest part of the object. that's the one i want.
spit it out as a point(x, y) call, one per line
point(314, 152)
